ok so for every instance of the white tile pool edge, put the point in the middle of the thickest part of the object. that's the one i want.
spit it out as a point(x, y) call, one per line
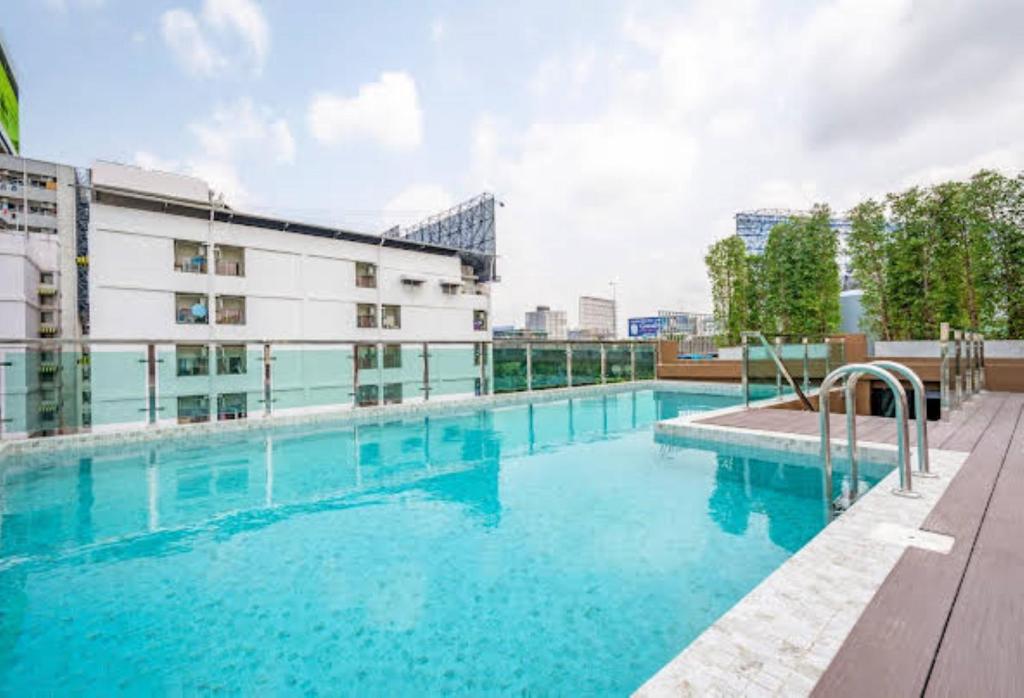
point(779, 639)
point(346, 415)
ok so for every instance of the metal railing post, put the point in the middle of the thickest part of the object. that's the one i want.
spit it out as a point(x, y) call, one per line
point(426, 371)
point(604, 363)
point(529, 367)
point(745, 370)
point(957, 380)
point(944, 370)
point(568, 365)
point(981, 361)
point(632, 361)
point(807, 367)
point(828, 355)
point(969, 361)
point(268, 397)
point(778, 373)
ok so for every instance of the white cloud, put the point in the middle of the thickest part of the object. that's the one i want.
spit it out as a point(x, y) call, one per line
point(238, 134)
point(215, 40)
point(182, 34)
point(386, 111)
point(721, 107)
point(242, 126)
point(65, 5)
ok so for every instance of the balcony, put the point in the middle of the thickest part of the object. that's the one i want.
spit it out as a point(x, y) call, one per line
point(366, 315)
point(366, 275)
point(231, 360)
point(391, 317)
point(191, 309)
point(230, 261)
point(230, 310)
point(189, 257)
point(192, 360)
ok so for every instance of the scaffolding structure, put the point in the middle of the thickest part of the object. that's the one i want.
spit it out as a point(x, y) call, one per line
point(468, 227)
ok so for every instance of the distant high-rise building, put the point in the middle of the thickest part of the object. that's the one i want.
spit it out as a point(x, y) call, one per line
point(597, 317)
point(552, 322)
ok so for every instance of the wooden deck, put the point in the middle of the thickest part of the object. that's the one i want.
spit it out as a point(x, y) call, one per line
point(942, 624)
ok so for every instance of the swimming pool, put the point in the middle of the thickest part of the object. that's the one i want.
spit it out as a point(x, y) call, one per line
point(548, 548)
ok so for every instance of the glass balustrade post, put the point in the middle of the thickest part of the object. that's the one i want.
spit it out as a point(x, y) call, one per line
point(828, 355)
point(426, 371)
point(604, 363)
point(632, 361)
point(268, 398)
point(529, 367)
point(151, 383)
point(568, 364)
point(778, 373)
point(745, 370)
point(981, 361)
point(944, 369)
point(806, 366)
point(968, 369)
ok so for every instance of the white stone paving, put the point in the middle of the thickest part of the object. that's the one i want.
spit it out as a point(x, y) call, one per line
point(779, 639)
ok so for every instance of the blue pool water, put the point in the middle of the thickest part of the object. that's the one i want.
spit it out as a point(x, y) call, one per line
point(547, 549)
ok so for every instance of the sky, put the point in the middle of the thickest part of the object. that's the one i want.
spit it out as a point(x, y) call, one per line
point(621, 136)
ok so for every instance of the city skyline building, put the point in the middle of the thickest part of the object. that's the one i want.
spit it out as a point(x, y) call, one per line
point(597, 317)
point(553, 323)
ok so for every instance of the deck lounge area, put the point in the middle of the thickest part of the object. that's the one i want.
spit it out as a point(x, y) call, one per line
point(941, 624)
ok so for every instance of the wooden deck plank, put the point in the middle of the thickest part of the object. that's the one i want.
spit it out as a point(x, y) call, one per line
point(982, 412)
point(983, 645)
point(891, 649)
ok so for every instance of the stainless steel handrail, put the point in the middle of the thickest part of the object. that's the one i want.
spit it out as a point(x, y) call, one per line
point(920, 411)
point(780, 367)
point(902, 431)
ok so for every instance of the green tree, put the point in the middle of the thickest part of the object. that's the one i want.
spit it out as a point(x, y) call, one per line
point(801, 276)
point(730, 276)
point(867, 245)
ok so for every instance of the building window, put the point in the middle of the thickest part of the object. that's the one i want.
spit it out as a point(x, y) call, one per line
point(231, 359)
point(231, 406)
point(391, 317)
point(230, 310)
point(191, 309)
point(230, 261)
point(193, 408)
point(367, 395)
point(479, 319)
point(46, 278)
point(192, 359)
point(392, 356)
point(366, 356)
point(366, 275)
point(189, 257)
point(450, 288)
point(366, 315)
point(392, 393)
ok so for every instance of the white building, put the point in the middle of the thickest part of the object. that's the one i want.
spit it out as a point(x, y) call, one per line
point(38, 294)
point(552, 322)
point(325, 309)
point(597, 317)
point(234, 315)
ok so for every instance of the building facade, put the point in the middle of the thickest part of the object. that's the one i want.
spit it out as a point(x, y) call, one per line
point(597, 317)
point(197, 312)
point(553, 323)
point(38, 294)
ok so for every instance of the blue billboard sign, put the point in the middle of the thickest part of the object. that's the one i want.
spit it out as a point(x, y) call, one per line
point(644, 327)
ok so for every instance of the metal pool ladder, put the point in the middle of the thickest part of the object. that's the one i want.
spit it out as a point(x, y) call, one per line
point(882, 371)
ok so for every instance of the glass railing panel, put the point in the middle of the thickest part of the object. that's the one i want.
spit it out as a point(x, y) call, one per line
point(548, 363)
point(618, 363)
point(401, 373)
point(311, 376)
point(119, 385)
point(509, 368)
point(454, 371)
point(645, 358)
point(586, 364)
